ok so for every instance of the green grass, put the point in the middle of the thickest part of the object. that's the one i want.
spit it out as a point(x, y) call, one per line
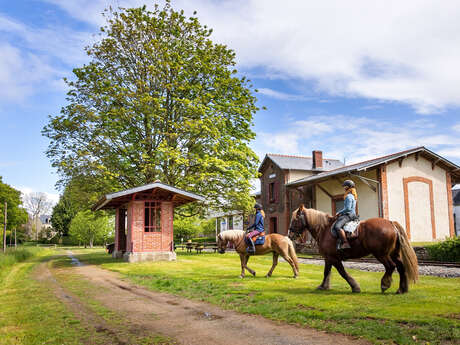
point(31, 314)
point(13, 256)
point(430, 312)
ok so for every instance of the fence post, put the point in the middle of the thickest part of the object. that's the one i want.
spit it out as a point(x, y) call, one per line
point(4, 228)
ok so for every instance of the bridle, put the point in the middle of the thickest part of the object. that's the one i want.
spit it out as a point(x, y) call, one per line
point(304, 221)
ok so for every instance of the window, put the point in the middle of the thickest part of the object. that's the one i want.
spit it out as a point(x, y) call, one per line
point(337, 203)
point(271, 192)
point(152, 219)
point(230, 223)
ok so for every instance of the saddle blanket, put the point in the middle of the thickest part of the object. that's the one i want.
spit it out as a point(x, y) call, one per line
point(351, 226)
point(260, 240)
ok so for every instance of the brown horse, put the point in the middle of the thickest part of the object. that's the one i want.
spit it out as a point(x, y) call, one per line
point(384, 239)
point(278, 244)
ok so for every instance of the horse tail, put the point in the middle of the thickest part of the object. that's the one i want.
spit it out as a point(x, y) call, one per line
point(408, 256)
point(292, 254)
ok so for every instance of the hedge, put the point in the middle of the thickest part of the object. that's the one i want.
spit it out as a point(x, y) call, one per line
point(448, 250)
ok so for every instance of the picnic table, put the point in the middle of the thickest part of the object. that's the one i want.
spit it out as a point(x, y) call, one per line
point(199, 247)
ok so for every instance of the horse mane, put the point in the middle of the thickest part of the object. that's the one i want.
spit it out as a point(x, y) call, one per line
point(316, 219)
point(231, 235)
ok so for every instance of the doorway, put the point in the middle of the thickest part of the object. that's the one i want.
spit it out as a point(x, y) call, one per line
point(274, 225)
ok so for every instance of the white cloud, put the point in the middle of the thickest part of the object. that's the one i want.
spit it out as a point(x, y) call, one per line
point(21, 73)
point(36, 59)
point(356, 140)
point(281, 95)
point(452, 152)
point(456, 127)
point(379, 50)
point(284, 143)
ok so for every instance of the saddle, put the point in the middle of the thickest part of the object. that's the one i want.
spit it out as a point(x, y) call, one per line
point(259, 239)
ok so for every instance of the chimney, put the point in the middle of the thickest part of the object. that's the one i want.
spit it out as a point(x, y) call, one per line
point(317, 159)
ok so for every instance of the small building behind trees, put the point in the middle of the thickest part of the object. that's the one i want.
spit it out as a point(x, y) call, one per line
point(144, 220)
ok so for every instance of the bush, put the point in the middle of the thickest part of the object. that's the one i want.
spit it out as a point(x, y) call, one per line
point(203, 239)
point(448, 250)
point(13, 256)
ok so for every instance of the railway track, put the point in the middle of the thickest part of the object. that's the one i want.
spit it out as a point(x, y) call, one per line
point(375, 261)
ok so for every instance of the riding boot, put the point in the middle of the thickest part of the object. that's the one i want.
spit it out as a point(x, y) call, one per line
point(343, 237)
point(251, 247)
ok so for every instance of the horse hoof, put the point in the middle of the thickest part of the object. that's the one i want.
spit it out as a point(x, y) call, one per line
point(357, 290)
point(267, 276)
point(295, 277)
point(254, 274)
point(241, 277)
point(322, 288)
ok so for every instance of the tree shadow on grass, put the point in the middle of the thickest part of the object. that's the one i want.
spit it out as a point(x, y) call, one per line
point(332, 292)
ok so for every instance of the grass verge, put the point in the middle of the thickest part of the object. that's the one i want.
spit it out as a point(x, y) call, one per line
point(29, 312)
point(428, 314)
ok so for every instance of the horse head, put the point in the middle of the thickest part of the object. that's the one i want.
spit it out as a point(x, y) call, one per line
point(221, 244)
point(299, 223)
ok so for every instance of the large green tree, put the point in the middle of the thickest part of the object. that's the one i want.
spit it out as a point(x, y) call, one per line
point(91, 227)
point(158, 100)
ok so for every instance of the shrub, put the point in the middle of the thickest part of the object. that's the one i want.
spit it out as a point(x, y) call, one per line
point(204, 239)
point(448, 250)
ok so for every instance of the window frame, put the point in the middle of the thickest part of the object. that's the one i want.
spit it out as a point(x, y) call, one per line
point(154, 223)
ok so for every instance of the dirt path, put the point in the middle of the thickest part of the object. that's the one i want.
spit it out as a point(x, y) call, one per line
point(186, 321)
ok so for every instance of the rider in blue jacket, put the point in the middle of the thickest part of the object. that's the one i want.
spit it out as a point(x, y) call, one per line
point(258, 227)
point(348, 213)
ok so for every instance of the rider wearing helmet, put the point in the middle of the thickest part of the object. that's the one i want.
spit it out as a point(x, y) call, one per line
point(348, 213)
point(258, 227)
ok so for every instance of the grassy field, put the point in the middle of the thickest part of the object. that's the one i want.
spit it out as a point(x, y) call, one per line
point(30, 313)
point(430, 313)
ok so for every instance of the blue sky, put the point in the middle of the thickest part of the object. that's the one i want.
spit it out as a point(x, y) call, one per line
point(355, 80)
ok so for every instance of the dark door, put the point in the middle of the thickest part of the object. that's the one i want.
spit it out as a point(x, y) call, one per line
point(273, 225)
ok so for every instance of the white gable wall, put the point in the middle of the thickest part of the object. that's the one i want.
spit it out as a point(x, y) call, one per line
point(418, 198)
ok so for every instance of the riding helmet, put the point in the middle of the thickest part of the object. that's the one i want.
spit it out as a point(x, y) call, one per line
point(348, 183)
point(258, 206)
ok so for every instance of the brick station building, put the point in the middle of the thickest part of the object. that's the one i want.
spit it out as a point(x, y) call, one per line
point(144, 220)
point(413, 187)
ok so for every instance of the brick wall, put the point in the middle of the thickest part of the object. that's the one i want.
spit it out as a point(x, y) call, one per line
point(142, 241)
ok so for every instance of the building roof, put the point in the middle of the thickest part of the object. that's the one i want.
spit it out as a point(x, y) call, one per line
point(45, 218)
point(363, 166)
point(286, 162)
point(149, 191)
point(456, 197)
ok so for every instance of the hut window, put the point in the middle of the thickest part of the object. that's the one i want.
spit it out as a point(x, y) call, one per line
point(152, 219)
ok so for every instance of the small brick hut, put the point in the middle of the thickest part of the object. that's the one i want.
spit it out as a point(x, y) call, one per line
point(144, 220)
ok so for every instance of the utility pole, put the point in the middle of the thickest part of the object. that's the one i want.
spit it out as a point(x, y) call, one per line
point(4, 228)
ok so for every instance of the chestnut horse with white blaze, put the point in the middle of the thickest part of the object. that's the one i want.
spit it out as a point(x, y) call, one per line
point(384, 239)
point(274, 243)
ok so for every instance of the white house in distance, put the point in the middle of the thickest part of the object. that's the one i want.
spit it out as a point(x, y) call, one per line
point(413, 187)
